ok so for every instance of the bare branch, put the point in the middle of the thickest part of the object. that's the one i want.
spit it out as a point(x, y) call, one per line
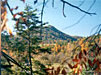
point(9, 8)
point(97, 26)
point(35, 1)
point(63, 10)
point(82, 3)
point(78, 8)
point(52, 3)
point(42, 19)
point(81, 17)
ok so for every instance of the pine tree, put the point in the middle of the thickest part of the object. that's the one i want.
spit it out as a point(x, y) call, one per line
point(28, 30)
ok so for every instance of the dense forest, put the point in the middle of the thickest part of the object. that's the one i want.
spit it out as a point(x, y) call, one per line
point(40, 49)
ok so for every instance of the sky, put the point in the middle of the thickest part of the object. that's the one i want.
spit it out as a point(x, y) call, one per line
point(55, 17)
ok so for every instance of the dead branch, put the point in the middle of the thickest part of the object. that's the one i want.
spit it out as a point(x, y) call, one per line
point(9, 8)
point(78, 8)
point(42, 19)
point(81, 17)
point(82, 3)
point(52, 3)
point(63, 10)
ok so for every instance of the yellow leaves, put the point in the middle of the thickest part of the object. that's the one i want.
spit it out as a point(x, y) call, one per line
point(10, 32)
point(11, 53)
point(4, 51)
point(4, 17)
point(56, 49)
point(56, 71)
point(4, 27)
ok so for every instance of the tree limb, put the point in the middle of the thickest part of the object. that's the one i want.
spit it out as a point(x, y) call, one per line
point(81, 3)
point(52, 3)
point(81, 17)
point(63, 10)
point(9, 8)
point(78, 8)
point(42, 18)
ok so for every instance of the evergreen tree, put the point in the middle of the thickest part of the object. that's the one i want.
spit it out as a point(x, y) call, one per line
point(28, 28)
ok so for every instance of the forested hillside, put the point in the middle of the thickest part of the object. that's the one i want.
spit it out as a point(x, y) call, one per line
point(29, 45)
point(51, 33)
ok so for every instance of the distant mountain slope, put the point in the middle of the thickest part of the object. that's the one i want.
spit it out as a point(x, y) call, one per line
point(51, 33)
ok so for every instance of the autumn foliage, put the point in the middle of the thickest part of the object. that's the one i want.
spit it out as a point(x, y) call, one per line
point(86, 56)
point(4, 17)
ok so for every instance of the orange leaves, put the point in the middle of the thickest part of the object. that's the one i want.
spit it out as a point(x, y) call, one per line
point(24, 19)
point(16, 7)
point(14, 15)
point(11, 9)
point(20, 13)
point(4, 51)
point(77, 69)
point(9, 30)
point(76, 60)
point(75, 66)
point(74, 72)
point(17, 23)
point(86, 59)
point(4, 18)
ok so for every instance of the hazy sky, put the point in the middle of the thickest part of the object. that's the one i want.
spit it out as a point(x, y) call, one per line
point(55, 16)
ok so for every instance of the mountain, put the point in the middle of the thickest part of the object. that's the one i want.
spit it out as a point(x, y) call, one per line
point(52, 33)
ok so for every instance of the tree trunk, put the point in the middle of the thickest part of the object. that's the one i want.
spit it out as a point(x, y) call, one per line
point(30, 56)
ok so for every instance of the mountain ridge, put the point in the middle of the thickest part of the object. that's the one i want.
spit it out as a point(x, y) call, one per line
point(52, 33)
